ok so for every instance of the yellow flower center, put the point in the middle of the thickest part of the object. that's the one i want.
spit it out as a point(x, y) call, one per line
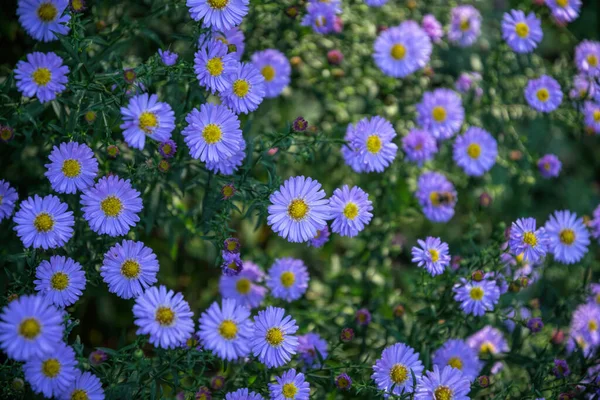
point(77, 5)
point(435, 255)
point(241, 87)
point(442, 393)
point(287, 279)
point(439, 114)
point(228, 192)
point(530, 239)
point(111, 206)
point(41, 76)
point(214, 66)
point(455, 362)
point(51, 367)
point(59, 281)
point(43, 222)
point(562, 3)
point(30, 328)
point(598, 298)
point(474, 150)
point(71, 168)
point(164, 316)
point(520, 258)
point(543, 94)
point(218, 4)
point(342, 383)
point(231, 246)
point(398, 373)
point(228, 329)
point(243, 286)
point(268, 72)
point(148, 121)
point(592, 60)
point(373, 144)
point(274, 336)
point(596, 115)
point(476, 293)
point(567, 236)
point(212, 133)
point(130, 269)
point(351, 210)
point(47, 12)
point(486, 347)
point(5, 134)
point(465, 24)
point(297, 209)
point(593, 325)
point(398, 52)
point(289, 390)
point(79, 394)
point(522, 29)
point(167, 149)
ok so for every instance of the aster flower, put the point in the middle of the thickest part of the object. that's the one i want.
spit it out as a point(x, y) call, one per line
point(320, 16)
point(8, 198)
point(350, 152)
point(433, 255)
point(419, 146)
point(591, 112)
point(564, 10)
point(226, 330)
point(72, 167)
point(43, 75)
point(165, 316)
point(111, 206)
point(363, 317)
point(568, 238)
point(167, 149)
point(437, 196)
point(244, 287)
point(232, 38)
point(350, 210)
point(146, 116)
point(346, 335)
point(432, 27)
point(168, 57)
point(245, 89)
point(290, 385)
point(476, 297)
point(402, 50)
point(468, 81)
point(298, 209)
point(77, 6)
point(465, 25)
point(275, 68)
point(320, 238)
point(7, 133)
point(343, 381)
point(44, 222)
point(475, 151)
point(441, 113)
point(457, 354)
point(243, 394)
point(288, 279)
point(543, 94)
point(586, 322)
point(232, 245)
point(535, 325)
point(273, 341)
point(447, 383)
point(203, 394)
point(43, 19)
point(375, 3)
point(86, 386)
point(587, 57)
point(595, 293)
point(60, 281)
point(584, 87)
point(220, 15)
point(308, 347)
point(53, 373)
point(228, 191)
point(217, 383)
point(373, 142)
point(524, 238)
point(561, 369)
point(30, 327)
point(300, 124)
point(522, 32)
point(212, 64)
point(488, 340)
point(396, 368)
point(97, 357)
point(549, 166)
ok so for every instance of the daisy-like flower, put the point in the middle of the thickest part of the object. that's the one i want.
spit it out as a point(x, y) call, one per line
point(525, 238)
point(168, 57)
point(564, 10)
point(232, 245)
point(343, 381)
point(522, 32)
point(475, 151)
point(290, 385)
point(543, 94)
point(443, 384)
point(363, 317)
point(44, 222)
point(298, 209)
point(586, 322)
point(220, 15)
point(43, 19)
point(43, 75)
point(350, 210)
point(274, 342)
point(402, 50)
point(584, 87)
point(7, 133)
point(457, 354)
point(437, 196)
point(433, 255)
point(146, 116)
point(245, 89)
point(72, 167)
point(226, 330)
point(350, 152)
point(308, 347)
point(168, 148)
point(476, 297)
point(587, 58)
point(465, 25)
point(129, 268)
point(320, 238)
point(568, 237)
point(432, 27)
point(86, 386)
point(30, 327)
point(441, 113)
point(212, 64)
point(275, 68)
point(97, 357)
point(232, 264)
point(60, 281)
point(396, 368)
point(213, 133)
point(52, 373)
point(244, 287)
point(373, 142)
point(549, 166)
point(111, 206)
point(488, 340)
point(165, 316)
point(288, 279)
point(232, 38)
point(419, 146)
point(203, 393)
point(591, 113)
point(243, 394)
point(8, 198)
point(320, 16)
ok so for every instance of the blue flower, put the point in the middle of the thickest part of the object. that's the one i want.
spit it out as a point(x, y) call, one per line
point(402, 50)
point(396, 368)
point(543, 94)
point(308, 346)
point(146, 116)
point(212, 65)
point(449, 383)
point(465, 25)
point(42, 75)
point(457, 354)
point(290, 385)
point(522, 32)
point(475, 151)
point(441, 113)
point(167, 149)
point(350, 210)
point(242, 394)
point(288, 279)
point(273, 341)
point(488, 340)
point(44, 222)
point(437, 196)
point(320, 238)
point(165, 316)
point(298, 209)
point(275, 68)
point(244, 287)
point(229, 165)
point(476, 297)
point(524, 238)
point(43, 19)
point(320, 16)
point(60, 281)
point(549, 166)
point(111, 206)
point(129, 268)
point(226, 330)
point(168, 57)
point(373, 142)
point(433, 255)
point(587, 58)
point(343, 381)
point(72, 167)
point(8, 199)
point(419, 146)
point(584, 87)
point(585, 324)
point(564, 11)
point(245, 89)
point(86, 386)
point(232, 264)
point(220, 15)
point(52, 373)
point(568, 237)
point(432, 27)
point(233, 37)
point(591, 112)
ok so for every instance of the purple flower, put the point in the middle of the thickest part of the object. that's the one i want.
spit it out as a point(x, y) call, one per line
point(43, 75)
point(465, 25)
point(350, 210)
point(373, 142)
point(8, 199)
point(167, 149)
point(220, 15)
point(568, 237)
point(476, 298)
point(343, 381)
point(232, 264)
point(433, 255)
point(245, 89)
point(467, 81)
point(457, 354)
point(564, 10)
point(535, 325)
point(488, 340)
point(522, 32)
point(72, 167)
point(244, 287)
point(549, 166)
point(288, 279)
point(44, 19)
point(146, 116)
point(587, 58)
point(543, 94)
point(526, 239)
point(561, 369)
point(475, 151)
point(308, 347)
point(274, 342)
point(437, 196)
point(290, 385)
point(44, 222)
point(61, 281)
point(447, 383)
point(275, 68)
point(363, 317)
point(591, 112)
point(396, 370)
point(320, 16)
point(232, 38)
point(419, 146)
point(441, 113)
point(168, 57)
point(433, 28)
point(320, 238)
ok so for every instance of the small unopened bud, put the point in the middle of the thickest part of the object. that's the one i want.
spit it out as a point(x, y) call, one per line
point(478, 275)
